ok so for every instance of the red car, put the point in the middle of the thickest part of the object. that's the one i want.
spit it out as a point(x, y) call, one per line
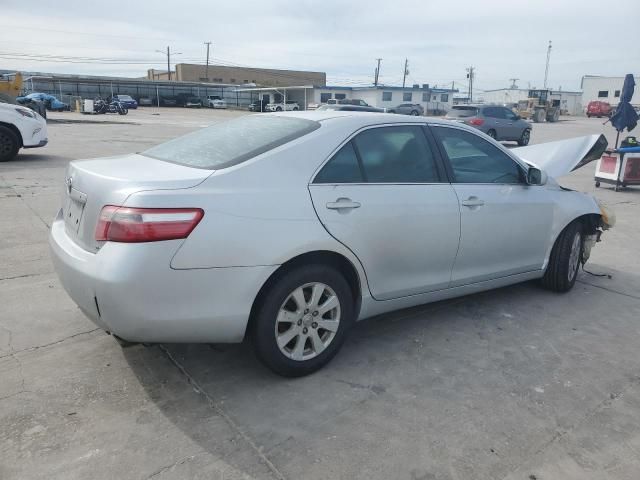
point(599, 109)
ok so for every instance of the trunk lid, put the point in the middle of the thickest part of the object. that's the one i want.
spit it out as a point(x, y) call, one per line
point(92, 184)
point(562, 157)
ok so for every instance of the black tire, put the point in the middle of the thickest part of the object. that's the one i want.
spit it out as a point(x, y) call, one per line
point(295, 109)
point(492, 133)
point(524, 138)
point(263, 329)
point(278, 109)
point(560, 276)
point(9, 144)
point(597, 184)
point(414, 113)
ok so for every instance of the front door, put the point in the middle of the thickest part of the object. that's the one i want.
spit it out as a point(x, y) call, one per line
point(383, 196)
point(505, 223)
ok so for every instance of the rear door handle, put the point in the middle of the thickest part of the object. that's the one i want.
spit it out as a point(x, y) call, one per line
point(472, 202)
point(343, 204)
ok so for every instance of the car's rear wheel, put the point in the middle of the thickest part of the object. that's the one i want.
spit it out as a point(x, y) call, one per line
point(492, 133)
point(9, 144)
point(278, 109)
point(524, 138)
point(414, 113)
point(302, 320)
point(565, 259)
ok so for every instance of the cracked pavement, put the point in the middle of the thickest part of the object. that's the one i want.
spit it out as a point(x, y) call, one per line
point(515, 383)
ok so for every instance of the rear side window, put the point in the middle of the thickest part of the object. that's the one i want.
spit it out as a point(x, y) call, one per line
point(230, 143)
point(462, 112)
point(396, 155)
point(342, 168)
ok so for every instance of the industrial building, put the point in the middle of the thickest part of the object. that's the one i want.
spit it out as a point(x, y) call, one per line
point(570, 103)
point(433, 100)
point(606, 89)
point(188, 72)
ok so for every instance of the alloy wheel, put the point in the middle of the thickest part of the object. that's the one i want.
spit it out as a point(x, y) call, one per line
point(307, 321)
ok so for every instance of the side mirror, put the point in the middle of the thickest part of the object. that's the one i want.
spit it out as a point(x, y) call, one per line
point(535, 176)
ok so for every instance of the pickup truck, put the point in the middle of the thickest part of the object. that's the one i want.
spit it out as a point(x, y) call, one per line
point(279, 107)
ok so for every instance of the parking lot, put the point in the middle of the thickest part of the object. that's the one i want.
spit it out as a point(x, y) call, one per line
point(515, 383)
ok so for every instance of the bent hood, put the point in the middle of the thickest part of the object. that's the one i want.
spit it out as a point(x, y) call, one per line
point(560, 158)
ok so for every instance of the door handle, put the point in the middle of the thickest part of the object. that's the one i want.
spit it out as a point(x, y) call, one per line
point(472, 202)
point(343, 204)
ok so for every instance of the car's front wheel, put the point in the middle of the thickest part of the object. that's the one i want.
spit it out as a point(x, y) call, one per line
point(414, 113)
point(302, 320)
point(524, 138)
point(9, 144)
point(565, 259)
point(492, 133)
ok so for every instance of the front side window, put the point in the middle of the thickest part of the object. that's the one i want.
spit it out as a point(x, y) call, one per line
point(406, 96)
point(509, 115)
point(474, 160)
point(387, 96)
point(396, 155)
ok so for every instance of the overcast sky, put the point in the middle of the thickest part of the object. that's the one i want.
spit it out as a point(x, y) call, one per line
point(501, 39)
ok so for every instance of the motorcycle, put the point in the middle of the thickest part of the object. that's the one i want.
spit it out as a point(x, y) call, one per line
point(100, 106)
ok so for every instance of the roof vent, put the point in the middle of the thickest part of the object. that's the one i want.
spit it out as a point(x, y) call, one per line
point(425, 86)
point(415, 85)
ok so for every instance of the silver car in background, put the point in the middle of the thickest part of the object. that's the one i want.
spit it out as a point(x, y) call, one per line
point(497, 121)
point(287, 228)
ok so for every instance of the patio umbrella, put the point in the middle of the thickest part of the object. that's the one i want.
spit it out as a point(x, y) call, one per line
point(625, 116)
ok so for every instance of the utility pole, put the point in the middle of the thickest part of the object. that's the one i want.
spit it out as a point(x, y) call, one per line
point(470, 76)
point(168, 54)
point(546, 68)
point(375, 81)
point(406, 71)
point(207, 70)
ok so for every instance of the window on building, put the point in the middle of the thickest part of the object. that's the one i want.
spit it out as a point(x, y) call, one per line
point(218, 80)
point(434, 98)
point(324, 97)
point(253, 81)
point(407, 96)
point(444, 97)
point(203, 79)
point(603, 93)
point(616, 93)
point(232, 80)
point(387, 96)
point(340, 96)
point(425, 96)
point(245, 81)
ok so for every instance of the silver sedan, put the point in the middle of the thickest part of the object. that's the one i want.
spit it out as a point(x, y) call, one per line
point(287, 228)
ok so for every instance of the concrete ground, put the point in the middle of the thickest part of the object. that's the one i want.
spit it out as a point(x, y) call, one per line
point(516, 383)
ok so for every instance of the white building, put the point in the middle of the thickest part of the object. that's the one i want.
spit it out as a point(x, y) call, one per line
point(570, 103)
point(606, 89)
point(433, 100)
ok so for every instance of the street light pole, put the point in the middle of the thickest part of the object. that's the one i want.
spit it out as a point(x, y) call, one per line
point(168, 54)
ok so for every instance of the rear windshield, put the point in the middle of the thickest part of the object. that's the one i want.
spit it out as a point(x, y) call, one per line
point(462, 112)
point(229, 143)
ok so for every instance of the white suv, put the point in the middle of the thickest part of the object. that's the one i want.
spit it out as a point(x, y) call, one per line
point(20, 127)
point(279, 107)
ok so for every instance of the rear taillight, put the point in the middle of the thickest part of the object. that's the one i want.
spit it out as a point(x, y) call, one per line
point(476, 122)
point(134, 225)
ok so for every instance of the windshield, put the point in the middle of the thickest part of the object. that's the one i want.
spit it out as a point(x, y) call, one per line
point(124, 97)
point(233, 142)
point(462, 112)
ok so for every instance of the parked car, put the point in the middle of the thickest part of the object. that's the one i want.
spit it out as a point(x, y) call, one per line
point(353, 101)
point(145, 101)
point(279, 107)
point(20, 127)
point(127, 101)
point(217, 104)
point(193, 102)
point(259, 106)
point(499, 122)
point(168, 101)
point(599, 109)
point(414, 109)
point(50, 101)
point(350, 108)
point(310, 222)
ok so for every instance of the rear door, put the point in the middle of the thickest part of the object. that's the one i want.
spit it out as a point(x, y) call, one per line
point(383, 196)
point(494, 120)
point(513, 126)
point(505, 223)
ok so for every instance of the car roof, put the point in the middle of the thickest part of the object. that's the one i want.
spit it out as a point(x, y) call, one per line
point(359, 119)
